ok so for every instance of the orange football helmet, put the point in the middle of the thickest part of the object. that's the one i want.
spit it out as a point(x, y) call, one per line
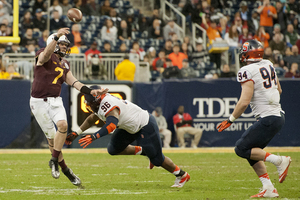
point(252, 50)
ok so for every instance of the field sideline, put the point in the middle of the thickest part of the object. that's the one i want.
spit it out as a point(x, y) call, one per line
point(170, 150)
point(216, 173)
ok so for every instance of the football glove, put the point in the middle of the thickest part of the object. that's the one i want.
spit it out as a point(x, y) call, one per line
point(87, 140)
point(71, 137)
point(225, 124)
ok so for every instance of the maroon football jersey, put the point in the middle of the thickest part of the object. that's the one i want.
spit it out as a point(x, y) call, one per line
point(49, 77)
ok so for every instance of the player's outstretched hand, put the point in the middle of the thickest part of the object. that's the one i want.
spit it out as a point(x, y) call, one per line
point(86, 140)
point(63, 31)
point(97, 92)
point(225, 124)
point(71, 137)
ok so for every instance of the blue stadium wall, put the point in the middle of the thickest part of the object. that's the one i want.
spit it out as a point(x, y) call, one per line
point(208, 102)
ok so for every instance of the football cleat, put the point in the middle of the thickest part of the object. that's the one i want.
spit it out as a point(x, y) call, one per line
point(283, 167)
point(72, 177)
point(54, 168)
point(267, 192)
point(181, 180)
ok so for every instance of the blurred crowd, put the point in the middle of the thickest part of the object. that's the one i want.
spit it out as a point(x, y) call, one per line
point(115, 26)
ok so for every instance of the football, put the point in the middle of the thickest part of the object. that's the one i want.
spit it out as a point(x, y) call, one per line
point(74, 15)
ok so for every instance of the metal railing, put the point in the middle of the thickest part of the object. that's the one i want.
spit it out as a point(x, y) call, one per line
point(24, 64)
point(194, 32)
point(182, 28)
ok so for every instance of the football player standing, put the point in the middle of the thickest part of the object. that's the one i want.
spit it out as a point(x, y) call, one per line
point(261, 89)
point(129, 123)
point(50, 72)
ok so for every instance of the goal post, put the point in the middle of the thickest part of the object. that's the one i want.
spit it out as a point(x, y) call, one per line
point(15, 38)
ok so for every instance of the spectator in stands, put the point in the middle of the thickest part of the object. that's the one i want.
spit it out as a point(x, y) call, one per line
point(123, 48)
point(155, 16)
point(162, 126)
point(92, 50)
point(175, 39)
point(109, 31)
point(8, 25)
point(293, 72)
point(168, 47)
point(26, 21)
point(177, 56)
point(115, 18)
point(192, 12)
point(200, 55)
point(277, 29)
point(294, 6)
point(187, 40)
point(253, 23)
point(30, 49)
point(105, 8)
point(232, 38)
point(187, 71)
point(277, 44)
point(15, 48)
point(28, 38)
point(78, 5)
point(43, 40)
point(95, 68)
point(281, 19)
point(239, 25)
point(107, 47)
point(213, 35)
point(183, 123)
point(245, 35)
point(245, 14)
point(291, 36)
point(12, 72)
point(184, 49)
point(39, 22)
point(2, 51)
point(3, 30)
point(132, 23)
point(39, 4)
point(151, 54)
point(125, 70)
point(3, 73)
point(155, 30)
point(268, 55)
point(5, 10)
point(142, 23)
point(262, 36)
point(76, 35)
point(171, 71)
point(92, 8)
point(159, 63)
point(170, 29)
point(298, 45)
point(136, 49)
point(124, 32)
point(56, 22)
point(296, 25)
point(55, 6)
point(294, 58)
point(267, 14)
point(223, 26)
point(65, 5)
point(226, 73)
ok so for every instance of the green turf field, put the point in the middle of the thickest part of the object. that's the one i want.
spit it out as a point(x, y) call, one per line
point(213, 176)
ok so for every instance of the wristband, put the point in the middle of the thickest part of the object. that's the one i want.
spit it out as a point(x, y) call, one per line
point(232, 118)
point(85, 90)
point(56, 38)
point(79, 131)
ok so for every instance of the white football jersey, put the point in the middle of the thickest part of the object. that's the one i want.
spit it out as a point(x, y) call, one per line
point(266, 98)
point(132, 118)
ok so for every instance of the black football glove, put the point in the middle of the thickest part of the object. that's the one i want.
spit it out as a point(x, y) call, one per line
point(71, 137)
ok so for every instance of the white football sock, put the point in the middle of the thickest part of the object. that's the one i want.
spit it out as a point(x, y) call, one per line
point(276, 160)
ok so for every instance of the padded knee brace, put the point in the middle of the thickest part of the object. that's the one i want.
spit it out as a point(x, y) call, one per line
point(244, 153)
point(157, 160)
point(111, 150)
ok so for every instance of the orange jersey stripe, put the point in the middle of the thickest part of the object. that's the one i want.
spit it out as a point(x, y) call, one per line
point(112, 109)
